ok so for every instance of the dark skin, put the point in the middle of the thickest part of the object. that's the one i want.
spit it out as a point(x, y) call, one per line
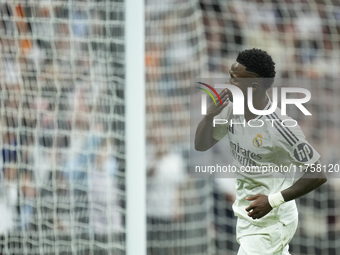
point(204, 140)
point(307, 183)
point(239, 77)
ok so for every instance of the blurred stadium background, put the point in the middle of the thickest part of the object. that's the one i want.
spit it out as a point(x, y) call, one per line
point(62, 78)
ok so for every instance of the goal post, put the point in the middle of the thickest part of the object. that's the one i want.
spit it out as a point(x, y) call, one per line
point(135, 128)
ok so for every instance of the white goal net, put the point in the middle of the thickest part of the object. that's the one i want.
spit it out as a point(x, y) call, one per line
point(190, 39)
point(62, 127)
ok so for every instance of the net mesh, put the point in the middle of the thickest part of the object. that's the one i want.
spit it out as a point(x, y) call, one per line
point(62, 127)
point(187, 39)
point(178, 208)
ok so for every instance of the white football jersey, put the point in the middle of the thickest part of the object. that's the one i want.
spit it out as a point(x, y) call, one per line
point(270, 144)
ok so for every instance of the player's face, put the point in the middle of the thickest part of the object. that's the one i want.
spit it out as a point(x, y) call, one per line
point(240, 77)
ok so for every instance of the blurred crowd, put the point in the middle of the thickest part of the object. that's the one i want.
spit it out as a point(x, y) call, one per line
point(61, 164)
point(303, 39)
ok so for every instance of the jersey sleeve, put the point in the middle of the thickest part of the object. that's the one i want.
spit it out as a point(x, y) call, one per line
point(294, 148)
point(222, 122)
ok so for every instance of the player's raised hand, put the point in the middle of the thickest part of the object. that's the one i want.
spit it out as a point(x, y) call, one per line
point(213, 109)
point(260, 207)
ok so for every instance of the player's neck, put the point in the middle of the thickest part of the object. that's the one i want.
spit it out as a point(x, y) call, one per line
point(260, 101)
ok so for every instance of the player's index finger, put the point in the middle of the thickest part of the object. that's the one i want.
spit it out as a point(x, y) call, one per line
point(250, 208)
point(225, 104)
point(224, 97)
point(223, 92)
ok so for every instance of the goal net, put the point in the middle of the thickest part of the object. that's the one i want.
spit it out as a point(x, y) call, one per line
point(190, 39)
point(62, 127)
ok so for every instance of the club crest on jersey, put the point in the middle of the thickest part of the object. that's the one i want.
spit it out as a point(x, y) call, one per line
point(257, 141)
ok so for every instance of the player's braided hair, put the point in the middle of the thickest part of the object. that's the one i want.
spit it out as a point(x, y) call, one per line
point(259, 62)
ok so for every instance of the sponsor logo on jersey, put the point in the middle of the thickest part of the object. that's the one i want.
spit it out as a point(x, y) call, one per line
point(245, 157)
point(303, 152)
point(257, 141)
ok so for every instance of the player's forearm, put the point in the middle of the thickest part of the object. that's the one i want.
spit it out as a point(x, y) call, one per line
point(307, 183)
point(203, 137)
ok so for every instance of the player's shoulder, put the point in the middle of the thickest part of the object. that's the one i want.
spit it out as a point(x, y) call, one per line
point(284, 128)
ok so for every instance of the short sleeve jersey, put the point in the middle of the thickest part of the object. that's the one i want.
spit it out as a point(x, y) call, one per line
point(265, 141)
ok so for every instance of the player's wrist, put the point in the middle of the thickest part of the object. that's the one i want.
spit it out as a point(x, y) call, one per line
point(209, 117)
point(276, 199)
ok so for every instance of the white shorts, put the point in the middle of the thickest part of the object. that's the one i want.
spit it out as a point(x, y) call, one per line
point(271, 240)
